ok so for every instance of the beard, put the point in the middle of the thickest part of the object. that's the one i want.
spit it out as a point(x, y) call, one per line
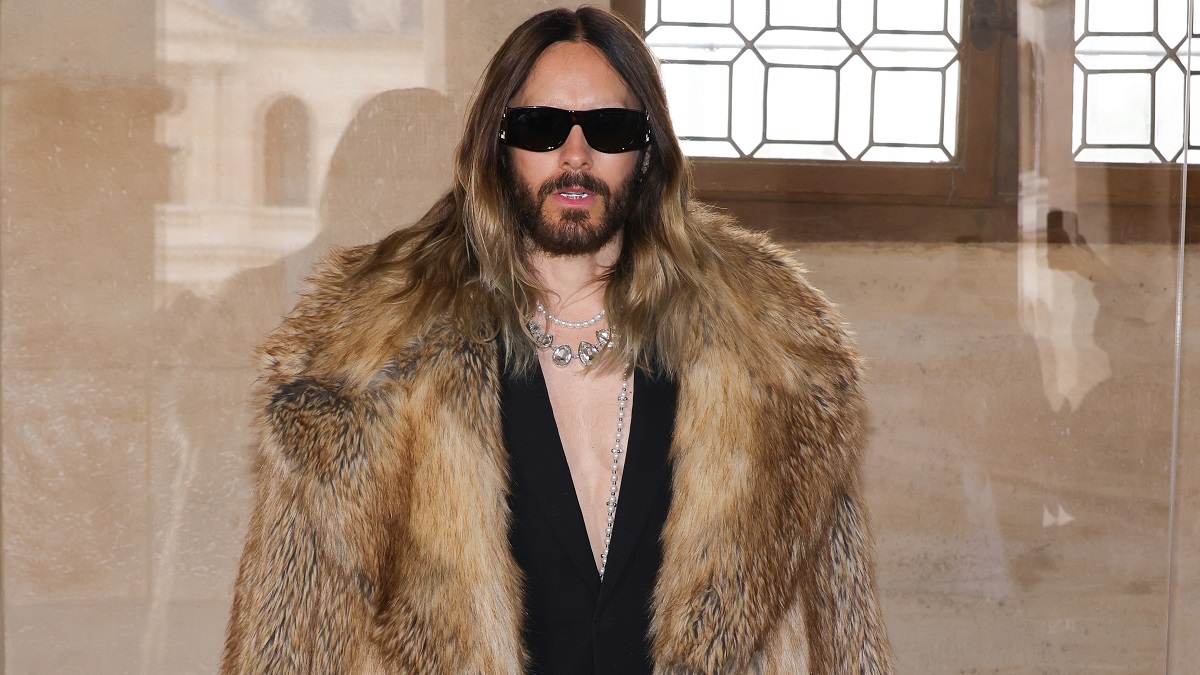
point(575, 232)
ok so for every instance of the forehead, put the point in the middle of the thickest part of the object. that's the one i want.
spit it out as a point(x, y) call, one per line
point(574, 76)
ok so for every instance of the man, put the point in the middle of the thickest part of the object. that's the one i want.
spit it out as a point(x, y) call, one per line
point(571, 421)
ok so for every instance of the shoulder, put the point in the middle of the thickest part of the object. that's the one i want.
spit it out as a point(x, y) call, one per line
point(754, 292)
point(342, 330)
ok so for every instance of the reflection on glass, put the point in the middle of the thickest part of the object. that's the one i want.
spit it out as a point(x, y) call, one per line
point(262, 91)
point(286, 153)
point(819, 98)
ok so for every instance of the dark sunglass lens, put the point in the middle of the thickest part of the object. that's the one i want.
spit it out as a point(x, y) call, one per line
point(615, 130)
point(538, 129)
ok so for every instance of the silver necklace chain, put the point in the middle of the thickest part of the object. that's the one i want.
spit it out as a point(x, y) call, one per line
point(616, 462)
point(569, 324)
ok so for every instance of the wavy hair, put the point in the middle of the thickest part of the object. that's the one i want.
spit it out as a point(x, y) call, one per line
point(464, 256)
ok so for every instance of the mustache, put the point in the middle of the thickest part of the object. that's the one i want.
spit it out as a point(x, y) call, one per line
point(575, 179)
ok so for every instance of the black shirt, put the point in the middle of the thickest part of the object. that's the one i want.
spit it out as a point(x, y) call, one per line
point(575, 624)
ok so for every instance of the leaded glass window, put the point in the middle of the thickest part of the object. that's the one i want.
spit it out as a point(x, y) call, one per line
point(1131, 60)
point(874, 80)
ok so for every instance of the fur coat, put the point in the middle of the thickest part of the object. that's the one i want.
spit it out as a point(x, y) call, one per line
point(378, 543)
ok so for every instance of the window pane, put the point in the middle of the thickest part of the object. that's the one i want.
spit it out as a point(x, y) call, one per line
point(888, 50)
point(687, 43)
point(801, 104)
point(1117, 109)
point(803, 47)
point(1119, 16)
point(908, 107)
point(822, 13)
point(923, 15)
point(697, 11)
point(817, 90)
point(699, 98)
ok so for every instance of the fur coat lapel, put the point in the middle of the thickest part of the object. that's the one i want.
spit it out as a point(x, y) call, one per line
point(378, 543)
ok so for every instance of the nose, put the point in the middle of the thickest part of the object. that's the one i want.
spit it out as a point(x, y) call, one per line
point(575, 154)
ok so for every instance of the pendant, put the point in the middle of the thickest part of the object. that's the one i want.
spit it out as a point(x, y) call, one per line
point(605, 336)
point(562, 355)
point(540, 339)
point(587, 352)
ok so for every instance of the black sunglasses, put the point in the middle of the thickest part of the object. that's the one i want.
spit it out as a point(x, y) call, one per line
point(542, 129)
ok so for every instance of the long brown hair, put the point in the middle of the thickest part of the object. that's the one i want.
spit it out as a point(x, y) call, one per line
point(463, 257)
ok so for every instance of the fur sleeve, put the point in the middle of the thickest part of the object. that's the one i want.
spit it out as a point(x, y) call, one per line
point(846, 633)
point(303, 599)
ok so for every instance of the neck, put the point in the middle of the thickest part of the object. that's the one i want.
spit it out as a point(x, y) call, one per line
point(575, 285)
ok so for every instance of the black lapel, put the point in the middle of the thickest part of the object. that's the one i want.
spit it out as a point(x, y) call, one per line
point(536, 450)
point(646, 480)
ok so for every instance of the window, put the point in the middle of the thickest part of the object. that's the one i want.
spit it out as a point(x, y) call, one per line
point(286, 142)
point(1129, 84)
point(826, 100)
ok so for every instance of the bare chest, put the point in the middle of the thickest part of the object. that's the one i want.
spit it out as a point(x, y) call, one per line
point(589, 415)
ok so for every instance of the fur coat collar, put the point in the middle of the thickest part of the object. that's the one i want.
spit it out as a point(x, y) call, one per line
point(378, 541)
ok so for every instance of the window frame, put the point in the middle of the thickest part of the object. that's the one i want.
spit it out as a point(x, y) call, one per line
point(968, 180)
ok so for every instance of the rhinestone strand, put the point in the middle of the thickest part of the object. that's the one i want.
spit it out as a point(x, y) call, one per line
point(616, 453)
point(569, 324)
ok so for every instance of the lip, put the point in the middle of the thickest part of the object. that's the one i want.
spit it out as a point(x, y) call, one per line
point(574, 196)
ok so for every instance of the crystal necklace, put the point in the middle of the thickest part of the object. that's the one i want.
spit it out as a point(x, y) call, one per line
point(562, 354)
point(616, 455)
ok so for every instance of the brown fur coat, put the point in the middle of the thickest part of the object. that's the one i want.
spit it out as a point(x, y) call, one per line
point(378, 543)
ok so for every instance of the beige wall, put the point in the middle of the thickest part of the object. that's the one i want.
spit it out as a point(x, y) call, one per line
point(1021, 467)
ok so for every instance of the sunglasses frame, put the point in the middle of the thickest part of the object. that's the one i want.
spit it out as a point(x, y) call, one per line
point(577, 117)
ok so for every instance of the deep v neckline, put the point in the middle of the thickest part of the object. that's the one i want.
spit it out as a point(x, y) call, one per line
point(537, 451)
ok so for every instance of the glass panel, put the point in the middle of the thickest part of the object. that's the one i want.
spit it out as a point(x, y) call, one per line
point(1172, 21)
point(801, 104)
point(858, 19)
point(1120, 16)
point(799, 151)
point(750, 17)
point(1120, 53)
point(1168, 101)
point(854, 123)
point(818, 40)
point(954, 20)
point(1136, 155)
point(679, 43)
point(1118, 109)
point(1029, 472)
point(813, 13)
point(696, 11)
point(881, 153)
point(708, 148)
point(887, 50)
point(802, 47)
point(749, 87)
point(699, 97)
point(908, 107)
point(912, 15)
point(950, 127)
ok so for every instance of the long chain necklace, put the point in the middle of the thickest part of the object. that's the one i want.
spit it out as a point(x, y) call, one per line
point(616, 455)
